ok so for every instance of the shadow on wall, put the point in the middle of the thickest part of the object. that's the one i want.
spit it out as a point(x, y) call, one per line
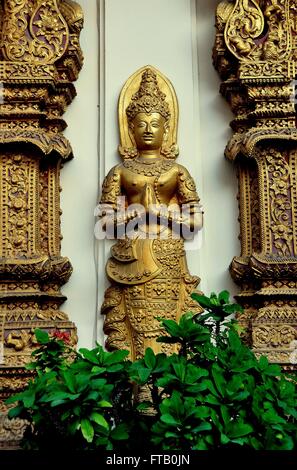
point(219, 176)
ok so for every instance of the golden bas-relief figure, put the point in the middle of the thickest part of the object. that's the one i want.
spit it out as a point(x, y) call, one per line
point(152, 203)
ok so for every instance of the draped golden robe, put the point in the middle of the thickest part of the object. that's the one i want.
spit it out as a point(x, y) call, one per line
point(149, 277)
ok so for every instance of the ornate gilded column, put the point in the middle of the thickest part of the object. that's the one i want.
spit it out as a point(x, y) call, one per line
point(40, 57)
point(255, 54)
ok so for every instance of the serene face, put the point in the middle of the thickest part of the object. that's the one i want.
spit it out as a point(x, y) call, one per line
point(149, 131)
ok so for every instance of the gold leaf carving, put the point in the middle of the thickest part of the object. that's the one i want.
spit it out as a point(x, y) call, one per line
point(244, 25)
point(36, 34)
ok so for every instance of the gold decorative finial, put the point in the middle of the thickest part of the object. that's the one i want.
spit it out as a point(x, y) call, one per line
point(149, 98)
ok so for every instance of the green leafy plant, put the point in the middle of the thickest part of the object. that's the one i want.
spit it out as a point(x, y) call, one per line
point(76, 399)
point(214, 393)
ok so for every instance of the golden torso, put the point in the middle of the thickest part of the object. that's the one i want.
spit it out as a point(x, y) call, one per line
point(150, 184)
point(147, 184)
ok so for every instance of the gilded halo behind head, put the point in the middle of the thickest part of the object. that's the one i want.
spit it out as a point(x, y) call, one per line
point(147, 91)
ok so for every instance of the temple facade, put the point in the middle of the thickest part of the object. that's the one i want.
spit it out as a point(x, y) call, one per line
point(64, 64)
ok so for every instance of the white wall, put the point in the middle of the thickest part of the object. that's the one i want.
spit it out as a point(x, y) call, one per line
point(218, 175)
point(79, 181)
point(176, 36)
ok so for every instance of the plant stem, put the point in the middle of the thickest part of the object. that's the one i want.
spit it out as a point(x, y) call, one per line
point(217, 329)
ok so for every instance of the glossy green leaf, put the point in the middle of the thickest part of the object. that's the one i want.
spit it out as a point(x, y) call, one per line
point(120, 433)
point(99, 419)
point(239, 429)
point(87, 429)
point(169, 419)
point(150, 358)
point(42, 336)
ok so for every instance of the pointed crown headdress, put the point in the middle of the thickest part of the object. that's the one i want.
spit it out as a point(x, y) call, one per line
point(147, 90)
point(149, 98)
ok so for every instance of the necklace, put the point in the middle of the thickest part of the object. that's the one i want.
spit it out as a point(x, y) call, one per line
point(149, 161)
point(154, 168)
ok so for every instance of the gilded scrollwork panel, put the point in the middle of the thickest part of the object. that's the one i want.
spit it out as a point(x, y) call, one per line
point(293, 195)
point(245, 23)
point(34, 31)
point(244, 197)
point(44, 209)
point(279, 175)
